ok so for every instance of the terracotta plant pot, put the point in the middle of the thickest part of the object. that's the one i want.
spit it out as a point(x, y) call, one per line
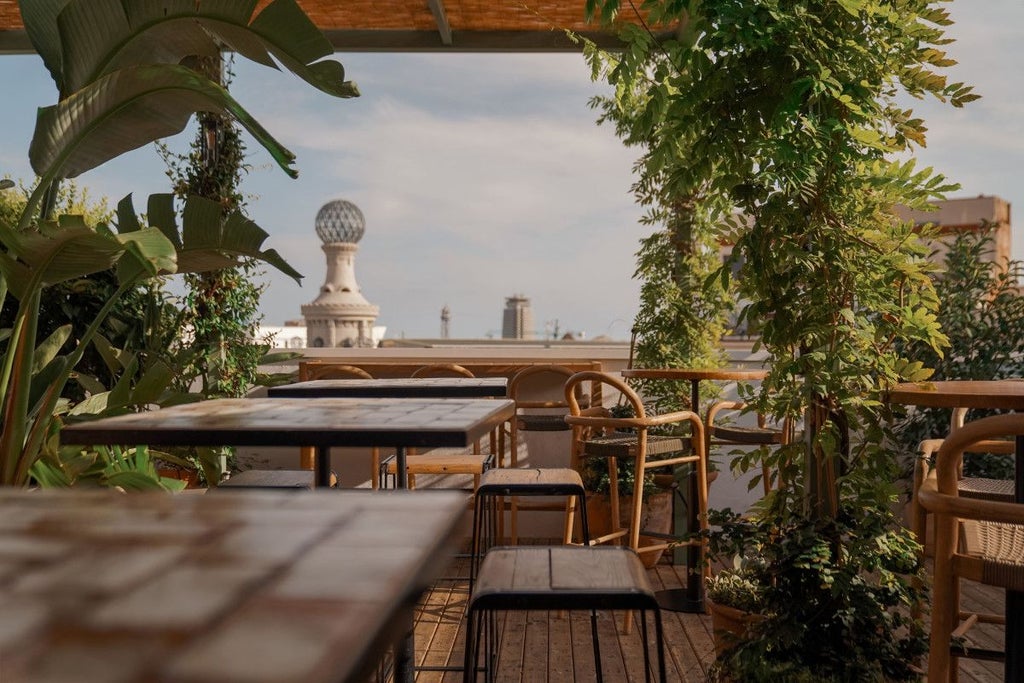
point(729, 624)
point(190, 477)
point(655, 515)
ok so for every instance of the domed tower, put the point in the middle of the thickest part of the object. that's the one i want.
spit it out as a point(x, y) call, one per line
point(340, 316)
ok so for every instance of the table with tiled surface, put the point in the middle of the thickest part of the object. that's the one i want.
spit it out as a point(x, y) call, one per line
point(254, 587)
point(319, 422)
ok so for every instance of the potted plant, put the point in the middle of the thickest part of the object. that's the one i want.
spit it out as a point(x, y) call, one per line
point(119, 89)
point(735, 599)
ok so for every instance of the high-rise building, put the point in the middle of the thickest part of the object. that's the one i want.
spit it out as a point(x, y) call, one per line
point(517, 320)
point(340, 315)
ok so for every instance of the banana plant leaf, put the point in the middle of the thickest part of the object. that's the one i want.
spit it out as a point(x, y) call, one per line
point(128, 109)
point(76, 250)
point(208, 241)
point(82, 40)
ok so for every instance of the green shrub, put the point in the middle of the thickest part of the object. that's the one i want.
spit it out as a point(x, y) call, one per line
point(982, 314)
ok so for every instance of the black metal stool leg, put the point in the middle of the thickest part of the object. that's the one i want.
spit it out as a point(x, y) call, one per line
point(659, 634)
point(646, 643)
point(470, 655)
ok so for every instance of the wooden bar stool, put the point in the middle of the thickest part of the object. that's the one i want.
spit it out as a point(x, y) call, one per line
point(559, 578)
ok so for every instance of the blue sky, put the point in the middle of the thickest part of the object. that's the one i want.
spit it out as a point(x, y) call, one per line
point(484, 176)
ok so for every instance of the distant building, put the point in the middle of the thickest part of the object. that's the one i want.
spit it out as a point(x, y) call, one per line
point(340, 315)
point(950, 217)
point(517, 320)
point(446, 319)
point(291, 335)
point(969, 214)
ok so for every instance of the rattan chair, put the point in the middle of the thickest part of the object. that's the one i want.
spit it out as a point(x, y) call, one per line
point(736, 435)
point(969, 487)
point(975, 539)
point(441, 461)
point(597, 434)
point(540, 407)
point(442, 370)
point(306, 454)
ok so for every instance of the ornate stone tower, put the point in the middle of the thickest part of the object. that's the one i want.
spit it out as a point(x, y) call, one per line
point(340, 316)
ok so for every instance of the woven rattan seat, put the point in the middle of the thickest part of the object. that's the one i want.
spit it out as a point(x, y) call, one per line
point(627, 445)
point(759, 436)
point(1000, 548)
point(987, 489)
point(978, 488)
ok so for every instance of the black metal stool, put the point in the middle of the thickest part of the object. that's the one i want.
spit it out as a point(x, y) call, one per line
point(558, 578)
point(497, 484)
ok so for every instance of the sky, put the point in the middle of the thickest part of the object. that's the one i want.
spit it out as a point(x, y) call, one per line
point(485, 176)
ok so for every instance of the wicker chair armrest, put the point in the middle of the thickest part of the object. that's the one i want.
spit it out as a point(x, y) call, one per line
point(967, 508)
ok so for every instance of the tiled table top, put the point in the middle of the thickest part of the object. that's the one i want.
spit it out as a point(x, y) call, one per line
point(255, 587)
point(312, 422)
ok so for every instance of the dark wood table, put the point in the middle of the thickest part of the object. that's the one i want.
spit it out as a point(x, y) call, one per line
point(691, 598)
point(319, 422)
point(250, 587)
point(1004, 394)
point(410, 387)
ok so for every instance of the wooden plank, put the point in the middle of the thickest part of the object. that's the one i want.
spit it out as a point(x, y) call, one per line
point(536, 644)
point(552, 646)
point(511, 646)
point(582, 647)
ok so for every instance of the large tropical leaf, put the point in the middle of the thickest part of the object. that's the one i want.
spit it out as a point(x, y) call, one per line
point(82, 40)
point(70, 249)
point(40, 19)
point(208, 241)
point(128, 109)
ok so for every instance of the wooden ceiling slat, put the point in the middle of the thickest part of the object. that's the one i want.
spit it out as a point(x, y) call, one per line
point(498, 25)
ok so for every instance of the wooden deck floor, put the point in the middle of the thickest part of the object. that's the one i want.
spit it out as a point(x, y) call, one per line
point(542, 646)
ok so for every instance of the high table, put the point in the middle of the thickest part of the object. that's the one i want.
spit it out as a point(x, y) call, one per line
point(247, 587)
point(318, 422)
point(691, 599)
point(400, 387)
point(411, 387)
point(1006, 394)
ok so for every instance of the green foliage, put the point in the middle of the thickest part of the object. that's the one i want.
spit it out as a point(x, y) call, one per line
point(220, 308)
point(118, 89)
point(130, 469)
point(789, 114)
point(682, 315)
point(849, 574)
point(74, 302)
point(982, 314)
